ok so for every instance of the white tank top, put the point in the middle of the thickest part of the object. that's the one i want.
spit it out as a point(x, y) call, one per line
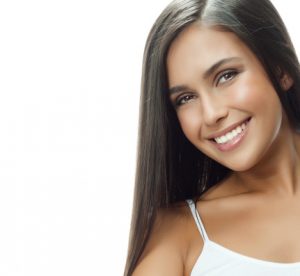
point(216, 260)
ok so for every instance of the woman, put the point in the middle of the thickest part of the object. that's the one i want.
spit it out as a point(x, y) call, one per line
point(218, 177)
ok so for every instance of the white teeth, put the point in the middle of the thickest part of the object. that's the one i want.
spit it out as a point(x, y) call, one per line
point(230, 135)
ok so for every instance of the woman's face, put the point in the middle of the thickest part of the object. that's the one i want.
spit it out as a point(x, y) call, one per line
point(224, 100)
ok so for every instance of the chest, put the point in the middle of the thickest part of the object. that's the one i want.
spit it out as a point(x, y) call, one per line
point(268, 232)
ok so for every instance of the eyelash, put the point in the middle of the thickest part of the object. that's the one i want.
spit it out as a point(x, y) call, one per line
point(179, 100)
point(232, 73)
point(227, 72)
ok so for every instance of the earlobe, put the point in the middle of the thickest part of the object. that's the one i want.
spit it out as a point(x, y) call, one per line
point(286, 82)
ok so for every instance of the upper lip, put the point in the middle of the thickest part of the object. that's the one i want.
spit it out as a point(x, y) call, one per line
point(228, 129)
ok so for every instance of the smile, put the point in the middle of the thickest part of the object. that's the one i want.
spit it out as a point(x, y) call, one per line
point(231, 134)
point(231, 139)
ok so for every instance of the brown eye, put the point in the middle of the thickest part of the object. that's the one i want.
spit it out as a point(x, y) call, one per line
point(227, 76)
point(182, 100)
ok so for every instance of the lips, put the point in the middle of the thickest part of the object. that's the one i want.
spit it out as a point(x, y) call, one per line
point(235, 141)
point(228, 129)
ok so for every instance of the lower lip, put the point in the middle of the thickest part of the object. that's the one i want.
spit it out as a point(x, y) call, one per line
point(235, 142)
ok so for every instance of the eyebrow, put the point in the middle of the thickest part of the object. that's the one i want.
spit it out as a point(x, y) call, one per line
point(207, 73)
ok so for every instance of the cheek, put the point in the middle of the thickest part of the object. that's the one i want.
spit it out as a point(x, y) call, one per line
point(256, 94)
point(190, 122)
point(258, 97)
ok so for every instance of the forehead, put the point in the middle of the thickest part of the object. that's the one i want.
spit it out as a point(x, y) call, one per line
point(198, 47)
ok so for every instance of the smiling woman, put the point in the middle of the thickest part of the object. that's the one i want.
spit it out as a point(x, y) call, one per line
point(218, 171)
point(233, 95)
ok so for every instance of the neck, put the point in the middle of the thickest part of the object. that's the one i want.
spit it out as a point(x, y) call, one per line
point(279, 170)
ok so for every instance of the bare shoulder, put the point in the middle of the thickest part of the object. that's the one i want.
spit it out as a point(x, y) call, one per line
point(175, 243)
point(167, 246)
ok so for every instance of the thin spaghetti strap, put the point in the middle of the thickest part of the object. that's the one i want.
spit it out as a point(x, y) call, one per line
point(197, 219)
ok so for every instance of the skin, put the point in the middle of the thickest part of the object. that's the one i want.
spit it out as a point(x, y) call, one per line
point(260, 200)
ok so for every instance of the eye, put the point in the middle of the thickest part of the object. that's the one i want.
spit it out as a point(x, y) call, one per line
point(226, 76)
point(183, 100)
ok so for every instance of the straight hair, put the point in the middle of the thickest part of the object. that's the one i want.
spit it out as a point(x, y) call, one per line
point(169, 168)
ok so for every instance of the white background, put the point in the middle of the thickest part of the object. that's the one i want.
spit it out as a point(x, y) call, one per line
point(69, 93)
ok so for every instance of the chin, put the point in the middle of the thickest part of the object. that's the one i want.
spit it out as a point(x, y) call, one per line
point(237, 166)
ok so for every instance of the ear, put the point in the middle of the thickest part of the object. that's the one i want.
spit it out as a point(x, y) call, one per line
point(286, 81)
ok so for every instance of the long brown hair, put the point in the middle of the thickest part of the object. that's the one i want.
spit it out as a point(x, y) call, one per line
point(169, 168)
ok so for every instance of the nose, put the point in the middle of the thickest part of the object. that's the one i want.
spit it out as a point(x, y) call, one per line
point(214, 110)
